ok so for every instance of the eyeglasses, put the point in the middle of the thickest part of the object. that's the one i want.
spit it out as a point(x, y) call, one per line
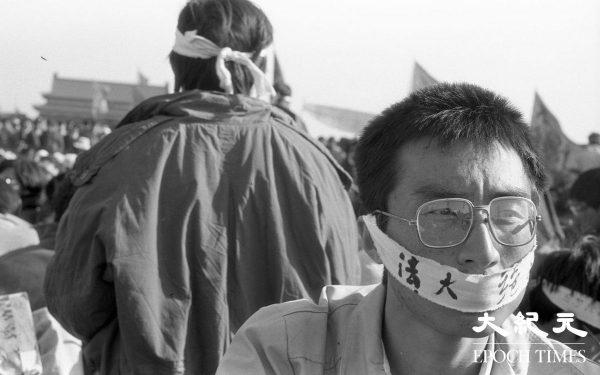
point(448, 222)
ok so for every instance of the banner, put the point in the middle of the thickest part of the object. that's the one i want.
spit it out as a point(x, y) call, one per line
point(19, 352)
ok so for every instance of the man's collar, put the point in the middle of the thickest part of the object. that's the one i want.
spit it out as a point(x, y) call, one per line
point(362, 350)
point(362, 345)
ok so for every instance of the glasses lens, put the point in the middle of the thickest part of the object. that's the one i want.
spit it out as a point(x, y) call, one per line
point(513, 220)
point(444, 222)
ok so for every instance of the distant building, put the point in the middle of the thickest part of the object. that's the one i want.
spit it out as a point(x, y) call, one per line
point(89, 100)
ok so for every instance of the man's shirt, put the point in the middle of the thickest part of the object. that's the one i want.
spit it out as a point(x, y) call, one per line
point(342, 335)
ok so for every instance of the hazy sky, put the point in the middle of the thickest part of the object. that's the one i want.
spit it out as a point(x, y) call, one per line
point(354, 54)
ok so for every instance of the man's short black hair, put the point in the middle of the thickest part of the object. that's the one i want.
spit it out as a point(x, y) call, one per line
point(577, 269)
point(447, 113)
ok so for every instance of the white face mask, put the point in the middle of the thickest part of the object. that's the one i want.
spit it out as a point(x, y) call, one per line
point(445, 285)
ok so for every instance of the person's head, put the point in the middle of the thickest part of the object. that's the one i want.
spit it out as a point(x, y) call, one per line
point(31, 175)
point(60, 191)
point(448, 141)
point(584, 201)
point(32, 179)
point(594, 138)
point(575, 270)
point(237, 24)
point(10, 202)
point(8, 174)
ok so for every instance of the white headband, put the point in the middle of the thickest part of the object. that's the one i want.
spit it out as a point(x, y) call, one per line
point(584, 307)
point(192, 45)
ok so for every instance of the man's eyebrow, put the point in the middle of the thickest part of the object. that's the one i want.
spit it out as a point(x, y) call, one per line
point(515, 192)
point(435, 191)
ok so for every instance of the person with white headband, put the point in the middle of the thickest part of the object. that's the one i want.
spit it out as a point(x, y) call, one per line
point(199, 208)
point(569, 282)
point(451, 180)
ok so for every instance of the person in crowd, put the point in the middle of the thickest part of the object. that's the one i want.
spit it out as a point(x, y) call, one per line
point(13, 130)
point(15, 233)
point(584, 202)
point(198, 209)
point(70, 133)
point(31, 180)
point(15, 125)
point(10, 201)
point(451, 181)
point(52, 140)
point(23, 270)
point(569, 282)
point(584, 158)
point(59, 192)
point(594, 142)
point(31, 132)
point(5, 135)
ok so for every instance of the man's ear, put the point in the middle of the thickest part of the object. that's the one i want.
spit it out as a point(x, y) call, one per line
point(366, 242)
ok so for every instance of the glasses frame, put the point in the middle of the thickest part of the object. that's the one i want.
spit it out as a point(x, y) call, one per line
point(485, 208)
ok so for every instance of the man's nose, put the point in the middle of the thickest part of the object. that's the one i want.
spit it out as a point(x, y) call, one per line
point(479, 254)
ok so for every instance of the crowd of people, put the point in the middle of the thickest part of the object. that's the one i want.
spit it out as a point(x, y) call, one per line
point(209, 233)
point(35, 156)
point(342, 150)
point(22, 135)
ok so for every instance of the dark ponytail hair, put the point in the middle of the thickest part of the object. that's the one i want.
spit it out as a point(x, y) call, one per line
point(237, 24)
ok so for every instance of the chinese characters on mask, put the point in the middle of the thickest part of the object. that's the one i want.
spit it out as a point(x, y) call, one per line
point(412, 278)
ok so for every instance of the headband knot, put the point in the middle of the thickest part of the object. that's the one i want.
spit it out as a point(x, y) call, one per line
point(192, 45)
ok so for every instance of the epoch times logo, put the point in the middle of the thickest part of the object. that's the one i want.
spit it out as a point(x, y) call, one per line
point(525, 352)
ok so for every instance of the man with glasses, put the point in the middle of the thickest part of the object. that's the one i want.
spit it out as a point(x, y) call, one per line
point(451, 182)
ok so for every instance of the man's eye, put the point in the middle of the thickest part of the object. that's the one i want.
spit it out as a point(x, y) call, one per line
point(447, 211)
point(510, 215)
point(444, 212)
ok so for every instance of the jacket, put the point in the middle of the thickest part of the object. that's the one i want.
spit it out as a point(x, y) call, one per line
point(342, 335)
point(197, 210)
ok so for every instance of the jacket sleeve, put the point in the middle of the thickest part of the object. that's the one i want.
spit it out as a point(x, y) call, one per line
point(77, 288)
point(121, 257)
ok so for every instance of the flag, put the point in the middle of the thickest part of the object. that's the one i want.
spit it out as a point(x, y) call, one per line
point(421, 78)
point(99, 100)
point(345, 120)
point(142, 79)
point(549, 139)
